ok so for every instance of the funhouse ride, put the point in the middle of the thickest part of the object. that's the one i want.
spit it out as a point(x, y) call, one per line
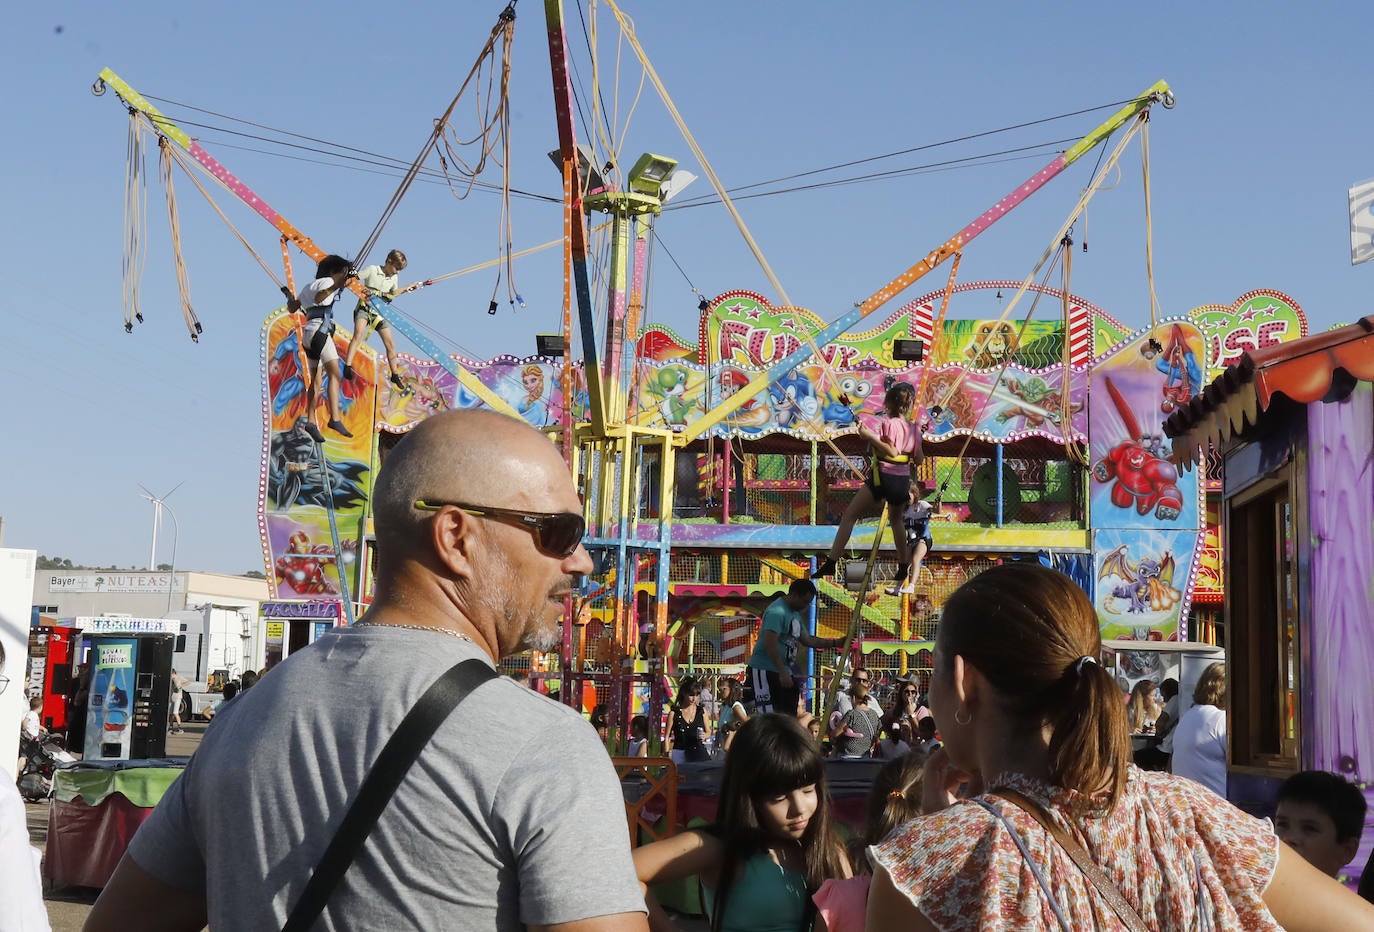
point(714, 470)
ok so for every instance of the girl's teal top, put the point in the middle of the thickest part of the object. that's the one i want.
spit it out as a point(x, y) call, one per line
point(767, 898)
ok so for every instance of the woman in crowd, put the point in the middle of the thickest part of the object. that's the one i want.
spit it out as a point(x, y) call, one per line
point(1068, 835)
point(1141, 708)
point(773, 843)
point(1199, 741)
point(905, 705)
point(896, 740)
point(689, 725)
point(732, 714)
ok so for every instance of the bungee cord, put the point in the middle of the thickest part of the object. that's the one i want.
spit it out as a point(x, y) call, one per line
point(135, 223)
point(174, 224)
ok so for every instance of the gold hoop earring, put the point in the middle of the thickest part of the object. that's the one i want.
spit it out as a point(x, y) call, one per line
point(968, 720)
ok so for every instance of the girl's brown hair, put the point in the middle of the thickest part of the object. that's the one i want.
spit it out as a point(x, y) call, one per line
point(772, 755)
point(901, 397)
point(894, 799)
point(1045, 625)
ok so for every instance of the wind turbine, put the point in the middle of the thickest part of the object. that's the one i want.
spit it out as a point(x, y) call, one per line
point(158, 504)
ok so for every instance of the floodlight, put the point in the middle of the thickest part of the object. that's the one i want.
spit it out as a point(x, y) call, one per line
point(550, 344)
point(592, 178)
point(650, 172)
point(908, 350)
point(675, 183)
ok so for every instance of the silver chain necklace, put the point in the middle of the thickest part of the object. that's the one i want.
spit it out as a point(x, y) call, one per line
point(379, 624)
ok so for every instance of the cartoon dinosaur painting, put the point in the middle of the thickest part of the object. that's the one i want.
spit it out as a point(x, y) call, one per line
point(1146, 585)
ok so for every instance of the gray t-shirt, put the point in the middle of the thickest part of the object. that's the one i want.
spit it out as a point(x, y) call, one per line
point(512, 815)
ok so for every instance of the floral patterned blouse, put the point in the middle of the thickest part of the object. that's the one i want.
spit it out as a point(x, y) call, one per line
point(1181, 856)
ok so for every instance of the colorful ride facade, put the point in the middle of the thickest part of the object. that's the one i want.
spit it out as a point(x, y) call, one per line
point(1044, 439)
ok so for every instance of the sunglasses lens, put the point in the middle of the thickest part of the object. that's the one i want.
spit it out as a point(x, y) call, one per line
point(562, 533)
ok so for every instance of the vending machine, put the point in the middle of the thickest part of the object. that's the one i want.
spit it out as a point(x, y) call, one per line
point(130, 689)
point(51, 650)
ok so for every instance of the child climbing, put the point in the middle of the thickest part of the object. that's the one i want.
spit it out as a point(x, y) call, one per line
point(380, 280)
point(919, 542)
point(896, 445)
point(317, 301)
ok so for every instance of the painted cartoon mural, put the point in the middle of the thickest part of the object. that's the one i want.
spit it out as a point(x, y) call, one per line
point(965, 388)
point(1145, 509)
point(296, 489)
point(1141, 578)
point(295, 493)
point(981, 377)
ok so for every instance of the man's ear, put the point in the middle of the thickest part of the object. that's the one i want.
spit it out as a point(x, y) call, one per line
point(451, 537)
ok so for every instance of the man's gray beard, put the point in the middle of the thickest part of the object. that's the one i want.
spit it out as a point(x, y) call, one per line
point(494, 597)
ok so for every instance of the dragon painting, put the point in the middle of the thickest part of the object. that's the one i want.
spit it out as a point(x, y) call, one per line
point(1147, 585)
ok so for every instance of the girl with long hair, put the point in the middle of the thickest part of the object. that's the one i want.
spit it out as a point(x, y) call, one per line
point(773, 843)
point(1068, 834)
point(1141, 708)
point(689, 723)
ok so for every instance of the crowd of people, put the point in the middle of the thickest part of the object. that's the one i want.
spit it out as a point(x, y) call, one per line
point(706, 712)
point(1029, 815)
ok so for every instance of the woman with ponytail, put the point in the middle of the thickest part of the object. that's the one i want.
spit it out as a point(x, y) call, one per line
point(1060, 830)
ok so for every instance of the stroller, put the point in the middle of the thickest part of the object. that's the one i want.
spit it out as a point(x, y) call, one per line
point(42, 756)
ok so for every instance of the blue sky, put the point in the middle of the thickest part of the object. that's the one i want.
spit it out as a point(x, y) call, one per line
point(1250, 173)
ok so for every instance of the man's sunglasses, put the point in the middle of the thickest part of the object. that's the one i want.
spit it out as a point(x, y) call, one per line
point(558, 533)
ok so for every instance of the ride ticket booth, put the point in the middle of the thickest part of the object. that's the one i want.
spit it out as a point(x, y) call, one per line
point(291, 626)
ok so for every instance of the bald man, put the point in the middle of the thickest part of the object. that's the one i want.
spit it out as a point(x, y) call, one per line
point(511, 818)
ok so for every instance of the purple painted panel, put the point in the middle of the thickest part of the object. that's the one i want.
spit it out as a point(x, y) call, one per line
point(1341, 498)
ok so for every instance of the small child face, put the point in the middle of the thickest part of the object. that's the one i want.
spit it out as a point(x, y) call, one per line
point(1309, 831)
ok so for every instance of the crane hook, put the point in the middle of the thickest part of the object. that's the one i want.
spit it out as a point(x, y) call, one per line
point(98, 88)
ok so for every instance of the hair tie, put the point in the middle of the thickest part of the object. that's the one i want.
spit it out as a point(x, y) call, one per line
point(1078, 665)
point(896, 794)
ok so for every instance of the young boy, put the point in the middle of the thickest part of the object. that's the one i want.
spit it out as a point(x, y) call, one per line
point(30, 723)
point(1320, 816)
point(916, 522)
point(380, 280)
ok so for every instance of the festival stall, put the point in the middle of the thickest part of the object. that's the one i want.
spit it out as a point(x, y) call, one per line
point(97, 806)
point(1295, 425)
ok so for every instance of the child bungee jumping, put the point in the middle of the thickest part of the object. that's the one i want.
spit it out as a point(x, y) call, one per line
point(895, 442)
point(317, 301)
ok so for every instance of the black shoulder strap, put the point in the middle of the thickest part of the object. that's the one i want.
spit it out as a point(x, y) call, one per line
point(404, 746)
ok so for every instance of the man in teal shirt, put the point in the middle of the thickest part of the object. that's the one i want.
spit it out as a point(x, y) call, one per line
point(770, 666)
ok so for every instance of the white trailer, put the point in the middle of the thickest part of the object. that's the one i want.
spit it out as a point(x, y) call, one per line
point(214, 639)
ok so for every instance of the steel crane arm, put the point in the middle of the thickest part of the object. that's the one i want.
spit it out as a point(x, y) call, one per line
point(167, 128)
point(1159, 91)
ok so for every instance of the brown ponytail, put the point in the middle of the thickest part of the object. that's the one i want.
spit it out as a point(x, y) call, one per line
point(1034, 635)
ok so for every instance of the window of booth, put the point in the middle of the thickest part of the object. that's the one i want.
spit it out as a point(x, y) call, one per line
point(1262, 597)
